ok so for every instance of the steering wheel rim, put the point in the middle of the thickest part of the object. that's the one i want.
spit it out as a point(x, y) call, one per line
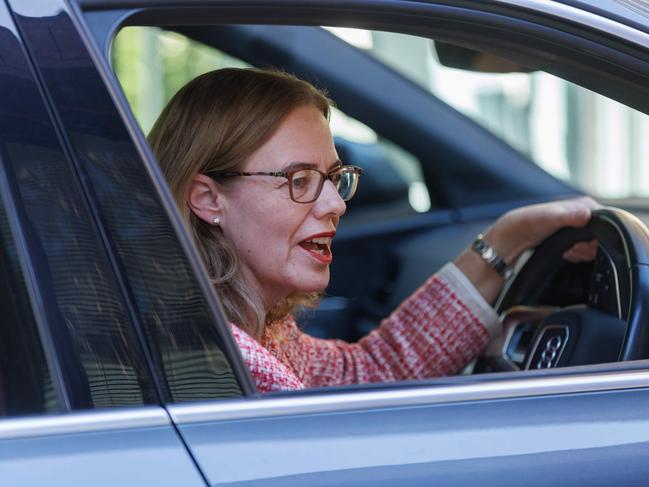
point(626, 240)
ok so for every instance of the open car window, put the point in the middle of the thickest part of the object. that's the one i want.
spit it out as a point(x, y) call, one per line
point(426, 204)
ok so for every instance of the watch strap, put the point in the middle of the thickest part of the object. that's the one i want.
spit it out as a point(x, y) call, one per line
point(491, 257)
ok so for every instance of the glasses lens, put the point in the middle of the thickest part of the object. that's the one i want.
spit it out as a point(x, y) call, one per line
point(304, 185)
point(346, 182)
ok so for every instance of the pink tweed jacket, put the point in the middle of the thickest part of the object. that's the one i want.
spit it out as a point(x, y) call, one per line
point(436, 331)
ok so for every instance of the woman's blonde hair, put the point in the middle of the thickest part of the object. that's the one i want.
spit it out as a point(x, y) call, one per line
point(215, 123)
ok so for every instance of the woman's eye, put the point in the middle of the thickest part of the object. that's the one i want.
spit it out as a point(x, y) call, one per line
point(300, 180)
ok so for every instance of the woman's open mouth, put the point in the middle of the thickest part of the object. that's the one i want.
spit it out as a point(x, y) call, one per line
point(319, 248)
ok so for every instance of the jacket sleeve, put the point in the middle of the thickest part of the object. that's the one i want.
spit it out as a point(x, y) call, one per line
point(436, 331)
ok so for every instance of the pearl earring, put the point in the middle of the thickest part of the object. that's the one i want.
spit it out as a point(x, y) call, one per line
point(217, 220)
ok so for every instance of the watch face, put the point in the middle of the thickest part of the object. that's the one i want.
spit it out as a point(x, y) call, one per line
point(489, 254)
point(491, 257)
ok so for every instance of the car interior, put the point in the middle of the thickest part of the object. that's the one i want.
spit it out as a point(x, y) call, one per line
point(433, 177)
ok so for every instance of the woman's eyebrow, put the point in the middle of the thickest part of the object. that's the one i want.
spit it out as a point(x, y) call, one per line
point(334, 165)
point(292, 166)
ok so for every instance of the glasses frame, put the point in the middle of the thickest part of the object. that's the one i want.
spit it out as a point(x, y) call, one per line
point(289, 176)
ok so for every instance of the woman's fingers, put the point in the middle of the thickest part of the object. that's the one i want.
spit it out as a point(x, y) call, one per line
point(573, 213)
point(581, 252)
point(547, 218)
point(528, 226)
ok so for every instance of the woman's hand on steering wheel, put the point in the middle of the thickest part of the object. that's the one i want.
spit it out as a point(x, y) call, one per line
point(524, 228)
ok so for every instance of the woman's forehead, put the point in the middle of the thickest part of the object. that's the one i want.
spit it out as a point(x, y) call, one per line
point(303, 137)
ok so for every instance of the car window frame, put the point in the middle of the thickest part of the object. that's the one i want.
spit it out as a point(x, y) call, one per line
point(560, 381)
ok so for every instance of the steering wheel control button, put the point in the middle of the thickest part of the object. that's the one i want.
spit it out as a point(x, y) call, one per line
point(491, 257)
point(548, 348)
point(604, 294)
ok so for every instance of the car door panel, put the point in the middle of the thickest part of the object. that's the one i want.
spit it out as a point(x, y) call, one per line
point(538, 470)
point(501, 441)
point(92, 345)
point(51, 246)
point(137, 447)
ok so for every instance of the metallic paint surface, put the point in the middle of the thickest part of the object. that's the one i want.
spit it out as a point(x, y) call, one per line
point(419, 396)
point(136, 456)
point(632, 12)
point(566, 440)
point(76, 423)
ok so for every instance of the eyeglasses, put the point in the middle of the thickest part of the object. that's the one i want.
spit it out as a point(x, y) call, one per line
point(305, 185)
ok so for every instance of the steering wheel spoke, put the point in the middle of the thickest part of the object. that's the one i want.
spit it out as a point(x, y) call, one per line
point(509, 350)
point(599, 330)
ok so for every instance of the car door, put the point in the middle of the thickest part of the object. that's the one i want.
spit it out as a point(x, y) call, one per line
point(578, 426)
point(457, 433)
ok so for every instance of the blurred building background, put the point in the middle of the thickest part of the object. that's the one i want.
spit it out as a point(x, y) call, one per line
point(579, 136)
point(575, 134)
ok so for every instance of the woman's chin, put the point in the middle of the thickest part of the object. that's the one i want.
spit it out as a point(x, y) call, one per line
point(315, 284)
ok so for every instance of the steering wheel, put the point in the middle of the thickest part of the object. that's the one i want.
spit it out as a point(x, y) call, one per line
point(613, 322)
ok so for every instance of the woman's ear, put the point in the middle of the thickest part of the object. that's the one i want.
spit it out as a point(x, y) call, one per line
point(204, 199)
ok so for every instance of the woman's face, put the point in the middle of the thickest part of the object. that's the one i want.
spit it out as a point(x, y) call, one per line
point(273, 235)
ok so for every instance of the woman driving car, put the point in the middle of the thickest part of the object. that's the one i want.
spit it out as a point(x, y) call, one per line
point(252, 165)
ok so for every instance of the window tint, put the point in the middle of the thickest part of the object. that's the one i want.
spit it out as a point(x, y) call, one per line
point(143, 272)
point(88, 320)
point(88, 325)
point(25, 382)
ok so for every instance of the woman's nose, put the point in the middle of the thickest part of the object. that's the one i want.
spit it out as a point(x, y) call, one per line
point(329, 201)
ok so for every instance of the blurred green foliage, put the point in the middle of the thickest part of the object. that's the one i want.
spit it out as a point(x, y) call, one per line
point(153, 64)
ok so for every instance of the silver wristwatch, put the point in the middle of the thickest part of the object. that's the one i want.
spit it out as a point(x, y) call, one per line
point(491, 257)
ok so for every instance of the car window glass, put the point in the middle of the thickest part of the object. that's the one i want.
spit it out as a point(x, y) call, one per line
point(141, 300)
point(152, 64)
point(89, 329)
point(95, 340)
point(25, 381)
point(577, 135)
